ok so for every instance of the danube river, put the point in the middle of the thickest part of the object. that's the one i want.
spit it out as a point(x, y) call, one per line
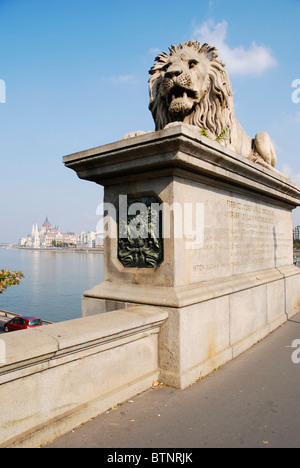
point(54, 282)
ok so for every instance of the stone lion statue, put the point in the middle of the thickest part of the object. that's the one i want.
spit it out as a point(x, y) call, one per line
point(190, 85)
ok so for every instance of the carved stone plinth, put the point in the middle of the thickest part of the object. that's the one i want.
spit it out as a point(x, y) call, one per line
point(220, 259)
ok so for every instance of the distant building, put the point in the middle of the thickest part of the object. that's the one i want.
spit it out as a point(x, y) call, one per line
point(296, 233)
point(90, 239)
point(99, 239)
point(48, 236)
point(86, 240)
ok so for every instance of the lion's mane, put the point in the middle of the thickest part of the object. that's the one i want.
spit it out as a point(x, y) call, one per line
point(214, 113)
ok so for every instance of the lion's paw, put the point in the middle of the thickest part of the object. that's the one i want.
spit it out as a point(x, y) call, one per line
point(174, 124)
point(265, 148)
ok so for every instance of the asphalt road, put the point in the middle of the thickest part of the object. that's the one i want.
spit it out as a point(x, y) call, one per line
point(251, 402)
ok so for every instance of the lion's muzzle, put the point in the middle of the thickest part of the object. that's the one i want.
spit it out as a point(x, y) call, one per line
point(179, 94)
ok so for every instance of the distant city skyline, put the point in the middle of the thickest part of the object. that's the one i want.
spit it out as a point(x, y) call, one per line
point(56, 226)
point(25, 231)
point(46, 220)
point(49, 236)
point(74, 75)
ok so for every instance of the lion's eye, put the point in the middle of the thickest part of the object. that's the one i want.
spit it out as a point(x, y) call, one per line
point(192, 63)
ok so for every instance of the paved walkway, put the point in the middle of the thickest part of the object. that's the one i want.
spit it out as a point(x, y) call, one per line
point(253, 401)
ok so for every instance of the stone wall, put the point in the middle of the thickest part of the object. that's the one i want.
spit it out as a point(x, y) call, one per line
point(57, 377)
point(230, 318)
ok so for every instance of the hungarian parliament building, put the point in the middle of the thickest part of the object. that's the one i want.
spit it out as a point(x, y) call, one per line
point(50, 236)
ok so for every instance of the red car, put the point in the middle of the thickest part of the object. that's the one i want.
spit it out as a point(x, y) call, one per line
point(21, 323)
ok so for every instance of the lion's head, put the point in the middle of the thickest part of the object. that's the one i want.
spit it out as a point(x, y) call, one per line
point(191, 85)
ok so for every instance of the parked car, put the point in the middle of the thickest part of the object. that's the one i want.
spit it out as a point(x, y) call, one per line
point(21, 323)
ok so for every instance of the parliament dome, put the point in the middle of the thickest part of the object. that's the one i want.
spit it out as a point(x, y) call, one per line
point(46, 224)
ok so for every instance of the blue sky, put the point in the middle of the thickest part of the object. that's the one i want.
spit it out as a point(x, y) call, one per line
point(76, 75)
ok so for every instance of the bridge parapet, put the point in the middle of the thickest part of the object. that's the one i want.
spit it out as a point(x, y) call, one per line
point(57, 377)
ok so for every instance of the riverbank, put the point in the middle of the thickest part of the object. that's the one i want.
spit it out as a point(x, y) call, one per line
point(99, 250)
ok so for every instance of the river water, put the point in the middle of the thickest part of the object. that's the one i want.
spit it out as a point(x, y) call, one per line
point(54, 282)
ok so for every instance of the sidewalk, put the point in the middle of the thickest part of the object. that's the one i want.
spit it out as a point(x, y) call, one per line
point(253, 401)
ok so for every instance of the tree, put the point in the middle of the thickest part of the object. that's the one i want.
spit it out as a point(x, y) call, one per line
point(9, 278)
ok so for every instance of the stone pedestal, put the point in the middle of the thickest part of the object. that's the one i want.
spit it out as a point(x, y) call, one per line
point(221, 262)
